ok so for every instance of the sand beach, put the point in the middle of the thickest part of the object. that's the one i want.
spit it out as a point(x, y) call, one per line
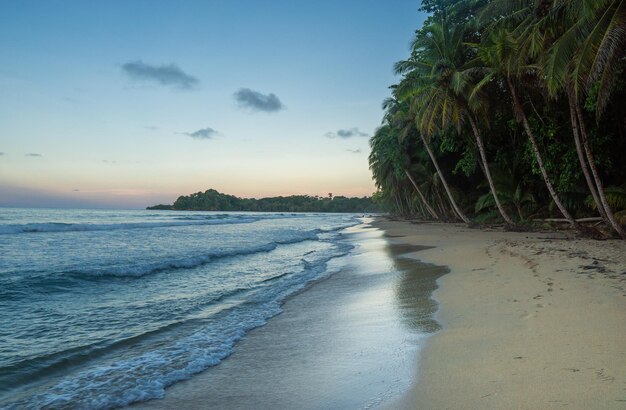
point(530, 320)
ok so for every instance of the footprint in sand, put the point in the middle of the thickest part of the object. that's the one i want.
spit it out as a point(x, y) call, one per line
point(571, 369)
point(602, 375)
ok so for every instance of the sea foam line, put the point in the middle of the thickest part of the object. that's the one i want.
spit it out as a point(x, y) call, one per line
point(195, 261)
point(86, 227)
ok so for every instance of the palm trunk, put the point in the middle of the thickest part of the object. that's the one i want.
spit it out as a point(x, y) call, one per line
point(443, 209)
point(581, 156)
point(521, 116)
point(431, 211)
point(483, 157)
point(443, 181)
point(439, 205)
point(419, 207)
point(596, 176)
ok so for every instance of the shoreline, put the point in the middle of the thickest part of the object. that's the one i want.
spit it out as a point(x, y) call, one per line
point(348, 341)
point(530, 320)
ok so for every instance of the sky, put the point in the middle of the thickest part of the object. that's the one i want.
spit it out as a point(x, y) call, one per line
point(124, 104)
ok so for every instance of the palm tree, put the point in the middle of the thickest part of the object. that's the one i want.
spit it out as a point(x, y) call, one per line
point(389, 165)
point(500, 55)
point(429, 208)
point(511, 189)
point(526, 51)
point(587, 52)
point(403, 116)
point(435, 84)
point(580, 43)
point(383, 169)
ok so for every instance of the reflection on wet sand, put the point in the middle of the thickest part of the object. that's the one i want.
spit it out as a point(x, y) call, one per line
point(350, 341)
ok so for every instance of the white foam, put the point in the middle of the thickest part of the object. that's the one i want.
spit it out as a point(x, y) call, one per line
point(83, 227)
point(145, 377)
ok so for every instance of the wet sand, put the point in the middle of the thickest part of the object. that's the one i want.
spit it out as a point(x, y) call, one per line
point(530, 320)
point(348, 342)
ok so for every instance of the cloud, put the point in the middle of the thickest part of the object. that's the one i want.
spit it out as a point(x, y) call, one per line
point(168, 75)
point(347, 133)
point(202, 134)
point(1, 154)
point(256, 101)
point(32, 154)
point(355, 151)
point(151, 127)
point(108, 161)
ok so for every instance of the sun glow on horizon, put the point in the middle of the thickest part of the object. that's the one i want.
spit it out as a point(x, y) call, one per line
point(142, 114)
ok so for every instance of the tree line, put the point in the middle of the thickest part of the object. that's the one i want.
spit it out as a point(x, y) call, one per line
point(509, 111)
point(212, 200)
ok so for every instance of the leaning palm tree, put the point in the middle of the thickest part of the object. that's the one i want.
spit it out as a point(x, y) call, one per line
point(587, 53)
point(578, 43)
point(429, 208)
point(437, 87)
point(588, 49)
point(405, 120)
point(389, 166)
point(387, 150)
point(500, 55)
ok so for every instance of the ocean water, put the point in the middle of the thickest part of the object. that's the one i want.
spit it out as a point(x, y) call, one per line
point(100, 309)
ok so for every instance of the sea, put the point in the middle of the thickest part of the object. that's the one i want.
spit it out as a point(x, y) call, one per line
point(104, 308)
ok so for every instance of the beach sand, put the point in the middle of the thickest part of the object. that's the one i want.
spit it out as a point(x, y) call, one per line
point(530, 320)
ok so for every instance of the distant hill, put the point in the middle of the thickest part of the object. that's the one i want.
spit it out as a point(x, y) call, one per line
point(212, 200)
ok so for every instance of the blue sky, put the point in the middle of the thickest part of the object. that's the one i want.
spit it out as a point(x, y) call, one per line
point(130, 103)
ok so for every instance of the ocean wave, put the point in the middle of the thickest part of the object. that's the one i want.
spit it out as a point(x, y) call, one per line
point(32, 369)
point(191, 262)
point(337, 228)
point(145, 377)
point(73, 277)
point(200, 217)
point(47, 282)
point(9, 229)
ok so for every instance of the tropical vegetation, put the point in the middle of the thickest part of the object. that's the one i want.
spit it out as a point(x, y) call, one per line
point(212, 200)
point(509, 111)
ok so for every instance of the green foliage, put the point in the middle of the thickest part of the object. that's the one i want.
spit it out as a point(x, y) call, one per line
point(462, 64)
point(212, 200)
point(468, 163)
point(615, 196)
point(512, 191)
point(487, 217)
point(484, 202)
